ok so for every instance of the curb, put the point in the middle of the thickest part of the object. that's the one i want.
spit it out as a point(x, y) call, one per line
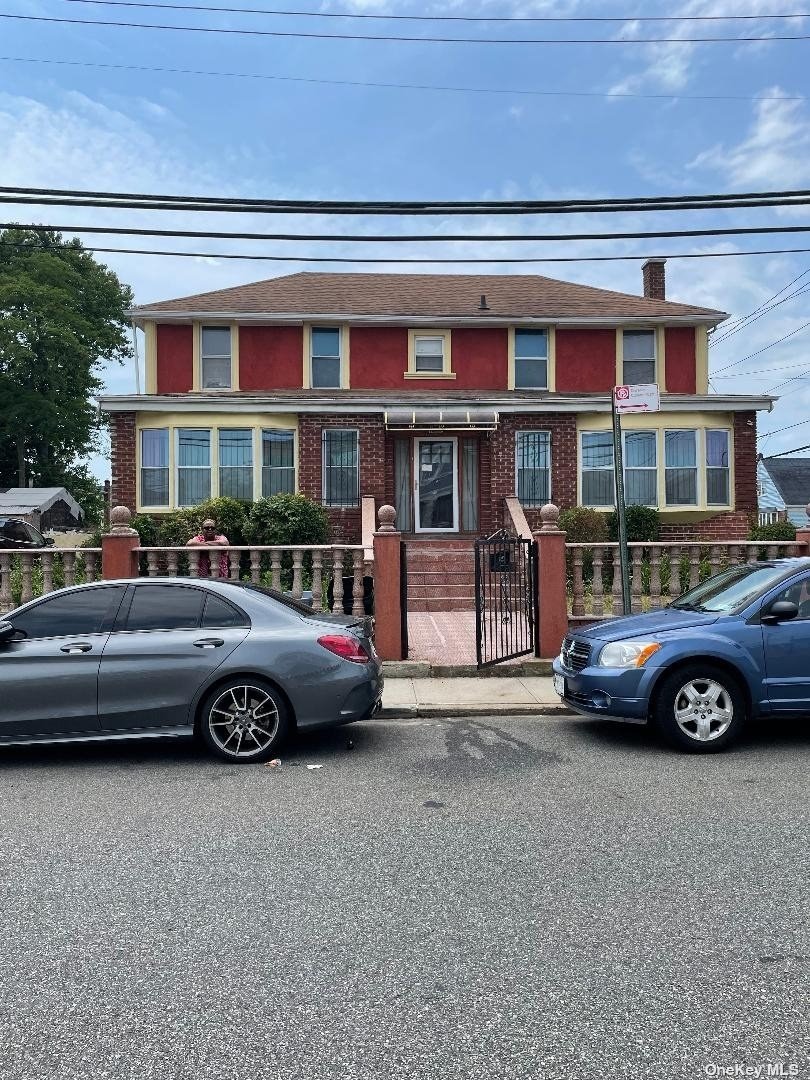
point(409, 712)
point(419, 669)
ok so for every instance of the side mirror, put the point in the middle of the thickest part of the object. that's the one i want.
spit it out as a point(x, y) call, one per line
point(48, 541)
point(780, 611)
point(6, 632)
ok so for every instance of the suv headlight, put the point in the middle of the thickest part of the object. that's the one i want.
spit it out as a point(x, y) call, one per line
point(627, 654)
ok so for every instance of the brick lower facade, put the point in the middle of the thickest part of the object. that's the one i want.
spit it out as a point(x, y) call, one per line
point(123, 460)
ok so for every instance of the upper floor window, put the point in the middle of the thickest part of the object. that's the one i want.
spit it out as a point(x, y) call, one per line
point(236, 463)
point(597, 468)
point(341, 467)
point(717, 468)
point(638, 357)
point(278, 462)
point(429, 354)
point(155, 467)
point(531, 360)
point(193, 466)
point(215, 358)
point(533, 467)
point(325, 358)
point(680, 468)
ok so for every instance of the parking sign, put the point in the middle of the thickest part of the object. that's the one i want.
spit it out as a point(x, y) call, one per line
point(643, 398)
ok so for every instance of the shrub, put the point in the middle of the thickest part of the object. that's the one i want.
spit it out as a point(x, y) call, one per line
point(287, 519)
point(643, 524)
point(777, 530)
point(584, 526)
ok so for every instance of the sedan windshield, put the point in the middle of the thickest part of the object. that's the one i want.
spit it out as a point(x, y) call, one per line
point(732, 590)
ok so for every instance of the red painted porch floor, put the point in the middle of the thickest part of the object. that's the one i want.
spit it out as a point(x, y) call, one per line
point(444, 638)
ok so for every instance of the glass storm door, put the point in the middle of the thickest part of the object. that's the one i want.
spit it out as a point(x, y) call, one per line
point(436, 485)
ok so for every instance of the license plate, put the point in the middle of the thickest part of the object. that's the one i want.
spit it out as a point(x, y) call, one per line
point(559, 685)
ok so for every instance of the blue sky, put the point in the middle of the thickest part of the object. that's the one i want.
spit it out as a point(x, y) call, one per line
point(63, 125)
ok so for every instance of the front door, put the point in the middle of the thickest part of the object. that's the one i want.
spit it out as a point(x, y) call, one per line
point(435, 485)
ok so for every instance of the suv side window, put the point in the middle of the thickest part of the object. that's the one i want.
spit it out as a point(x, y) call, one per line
point(75, 614)
point(799, 594)
point(165, 607)
point(34, 536)
point(15, 530)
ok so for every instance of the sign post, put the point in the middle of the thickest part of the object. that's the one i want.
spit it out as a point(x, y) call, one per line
point(627, 399)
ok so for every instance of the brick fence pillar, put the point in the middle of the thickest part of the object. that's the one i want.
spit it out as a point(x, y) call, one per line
point(803, 534)
point(552, 599)
point(119, 547)
point(387, 600)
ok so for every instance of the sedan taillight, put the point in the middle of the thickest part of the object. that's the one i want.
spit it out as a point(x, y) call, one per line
point(345, 646)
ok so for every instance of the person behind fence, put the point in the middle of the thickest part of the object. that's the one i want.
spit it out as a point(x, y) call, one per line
point(209, 537)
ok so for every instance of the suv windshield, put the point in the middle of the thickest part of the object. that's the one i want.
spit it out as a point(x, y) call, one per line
point(732, 590)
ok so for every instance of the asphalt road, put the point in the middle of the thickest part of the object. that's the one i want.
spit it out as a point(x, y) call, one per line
point(514, 897)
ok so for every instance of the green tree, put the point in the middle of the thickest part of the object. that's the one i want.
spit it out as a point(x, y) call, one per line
point(61, 319)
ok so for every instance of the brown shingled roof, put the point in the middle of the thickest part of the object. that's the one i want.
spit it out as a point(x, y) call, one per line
point(434, 295)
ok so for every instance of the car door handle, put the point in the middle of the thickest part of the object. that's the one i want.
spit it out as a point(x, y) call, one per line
point(76, 647)
point(209, 643)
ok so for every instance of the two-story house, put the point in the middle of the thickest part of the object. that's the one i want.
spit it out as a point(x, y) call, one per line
point(440, 394)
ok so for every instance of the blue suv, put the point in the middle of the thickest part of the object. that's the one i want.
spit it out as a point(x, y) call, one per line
point(733, 648)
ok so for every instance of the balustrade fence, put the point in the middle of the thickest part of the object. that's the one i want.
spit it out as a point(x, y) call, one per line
point(336, 575)
point(659, 572)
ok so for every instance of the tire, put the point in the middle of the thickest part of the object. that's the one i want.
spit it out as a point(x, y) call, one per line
point(259, 720)
point(700, 708)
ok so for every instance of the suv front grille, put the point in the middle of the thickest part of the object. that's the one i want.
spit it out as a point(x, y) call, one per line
point(575, 654)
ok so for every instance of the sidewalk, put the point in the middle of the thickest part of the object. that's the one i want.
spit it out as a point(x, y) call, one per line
point(470, 696)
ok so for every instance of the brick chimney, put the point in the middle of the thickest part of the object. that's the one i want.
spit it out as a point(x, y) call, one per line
point(655, 282)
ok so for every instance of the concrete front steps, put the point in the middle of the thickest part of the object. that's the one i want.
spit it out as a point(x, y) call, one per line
point(441, 574)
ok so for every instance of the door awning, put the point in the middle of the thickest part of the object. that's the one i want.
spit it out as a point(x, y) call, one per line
point(455, 419)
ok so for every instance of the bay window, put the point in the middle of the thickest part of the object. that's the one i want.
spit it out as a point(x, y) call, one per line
point(680, 468)
point(193, 466)
point(155, 467)
point(597, 468)
point(717, 468)
point(278, 462)
point(640, 468)
point(236, 463)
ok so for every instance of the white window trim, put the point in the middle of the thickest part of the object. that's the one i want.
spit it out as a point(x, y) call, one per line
point(140, 467)
point(198, 359)
point(658, 348)
point(343, 355)
point(641, 468)
point(728, 467)
point(535, 431)
point(212, 466)
point(515, 358)
point(220, 466)
point(581, 470)
point(700, 480)
point(325, 502)
point(277, 468)
point(447, 355)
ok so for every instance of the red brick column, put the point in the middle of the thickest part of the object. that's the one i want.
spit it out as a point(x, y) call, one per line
point(387, 601)
point(122, 439)
point(803, 535)
point(119, 547)
point(745, 463)
point(552, 600)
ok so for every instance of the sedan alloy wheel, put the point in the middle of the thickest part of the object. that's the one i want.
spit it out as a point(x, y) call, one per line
point(244, 721)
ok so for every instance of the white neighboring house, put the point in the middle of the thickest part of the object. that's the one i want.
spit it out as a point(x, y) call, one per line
point(44, 508)
point(783, 490)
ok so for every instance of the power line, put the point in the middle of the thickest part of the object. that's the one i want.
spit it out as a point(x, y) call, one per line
point(406, 86)
point(788, 427)
point(201, 203)
point(364, 260)
point(764, 372)
point(745, 325)
point(425, 40)
point(739, 324)
point(765, 348)
point(787, 382)
point(430, 238)
point(449, 18)
point(795, 450)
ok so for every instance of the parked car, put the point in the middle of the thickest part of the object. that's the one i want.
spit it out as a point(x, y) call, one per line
point(237, 665)
point(734, 648)
point(18, 535)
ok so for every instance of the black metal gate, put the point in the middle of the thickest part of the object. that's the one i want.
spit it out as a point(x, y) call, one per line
point(505, 598)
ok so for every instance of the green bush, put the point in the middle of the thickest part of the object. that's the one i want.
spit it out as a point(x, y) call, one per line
point(643, 524)
point(584, 526)
point(287, 519)
point(777, 530)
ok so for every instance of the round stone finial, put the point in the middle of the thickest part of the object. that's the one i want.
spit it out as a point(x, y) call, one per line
point(387, 515)
point(550, 516)
point(120, 517)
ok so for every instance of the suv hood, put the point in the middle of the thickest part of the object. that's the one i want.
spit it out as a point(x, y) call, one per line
point(654, 622)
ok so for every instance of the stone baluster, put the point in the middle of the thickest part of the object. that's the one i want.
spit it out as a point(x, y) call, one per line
point(275, 570)
point(655, 577)
point(152, 564)
point(194, 562)
point(256, 567)
point(69, 567)
point(26, 592)
point(694, 565)
point(753, 553)
point(337, 579)
point(616, 588)
point(234, 558)
point(772, 551)
point(172, 563)
point(317, 580)
point(6, 599)
point(675, 588)
point(714, 558)
point(598, 589)
point(47, 572)
point(298, 561)
point(90, 566)
point(636, 588)
point(357, 584)
point(578, 603)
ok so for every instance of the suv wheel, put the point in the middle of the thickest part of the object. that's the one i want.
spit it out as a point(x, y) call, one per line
point(700, 708)
point(244, 721)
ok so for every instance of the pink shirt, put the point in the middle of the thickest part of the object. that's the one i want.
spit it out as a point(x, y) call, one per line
point(204, 566)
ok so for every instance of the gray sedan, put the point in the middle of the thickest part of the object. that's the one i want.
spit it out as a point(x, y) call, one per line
point(234, 664)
